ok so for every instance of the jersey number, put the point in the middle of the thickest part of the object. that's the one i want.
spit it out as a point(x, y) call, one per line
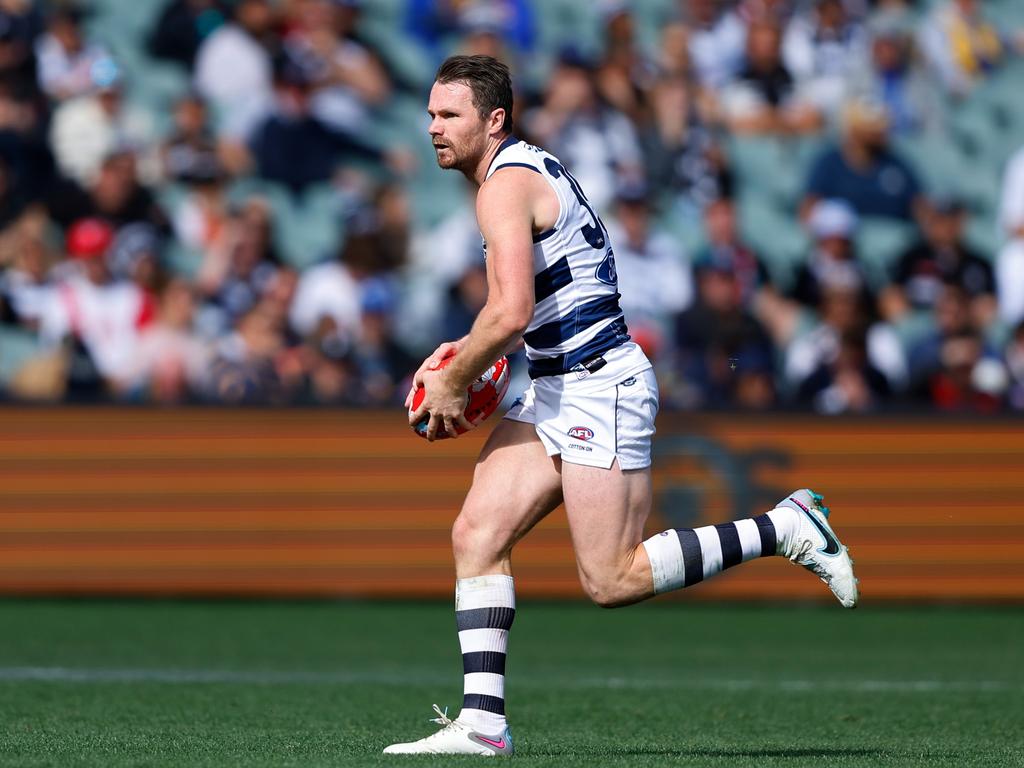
point(594, 233)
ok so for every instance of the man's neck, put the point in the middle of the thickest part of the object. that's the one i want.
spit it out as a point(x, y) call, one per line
point(478, 175)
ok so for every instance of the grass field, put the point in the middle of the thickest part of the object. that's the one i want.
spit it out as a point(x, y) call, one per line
point(682, 684)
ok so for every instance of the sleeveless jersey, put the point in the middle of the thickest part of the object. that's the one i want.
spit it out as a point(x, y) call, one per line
point(577, 316)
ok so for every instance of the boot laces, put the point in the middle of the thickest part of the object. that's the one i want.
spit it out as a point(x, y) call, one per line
point(442, 718)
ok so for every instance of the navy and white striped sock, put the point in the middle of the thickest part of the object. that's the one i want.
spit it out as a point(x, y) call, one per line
point(686, 556)
point(485, 607)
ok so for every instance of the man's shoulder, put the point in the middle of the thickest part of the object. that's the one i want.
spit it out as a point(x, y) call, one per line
point(515, 168)
point(516, 153)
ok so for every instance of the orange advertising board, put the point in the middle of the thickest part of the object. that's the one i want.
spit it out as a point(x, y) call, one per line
point(349, 503)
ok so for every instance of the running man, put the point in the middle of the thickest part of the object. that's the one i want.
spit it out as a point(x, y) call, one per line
point(581, 434)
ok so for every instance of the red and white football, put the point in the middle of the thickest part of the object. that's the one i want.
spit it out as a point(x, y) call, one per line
point(483, 397)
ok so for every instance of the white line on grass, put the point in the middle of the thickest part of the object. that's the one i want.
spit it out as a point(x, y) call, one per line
point(244, 677)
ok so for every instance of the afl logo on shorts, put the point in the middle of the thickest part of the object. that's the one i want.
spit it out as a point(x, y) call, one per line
point(581, 433)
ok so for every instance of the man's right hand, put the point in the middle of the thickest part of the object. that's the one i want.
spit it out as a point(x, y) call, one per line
point(447, 349)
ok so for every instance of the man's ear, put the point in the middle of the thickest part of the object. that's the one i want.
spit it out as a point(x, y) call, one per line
point(497, 120)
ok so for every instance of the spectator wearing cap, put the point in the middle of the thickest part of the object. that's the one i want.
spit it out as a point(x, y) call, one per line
point(64, 59)
point(383, 364)
point(713, 337)
point(87, 129)
point(653, 272)
point(90, 307)
point(863, 170)
point(181, 28)
point(892, 76)
point(763, 99)
point(832, 264)
point(234, 70)
point(940, 257)
point(837, 313)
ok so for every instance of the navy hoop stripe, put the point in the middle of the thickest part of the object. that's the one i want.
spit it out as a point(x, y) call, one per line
point(729, 539)
point(484, 661)
point(533, 168)
point(484, 702)
point(485, 618)
point(769, 540)
point(578, 320)
point(693, 556)
point(614, 335)
point(549, 281)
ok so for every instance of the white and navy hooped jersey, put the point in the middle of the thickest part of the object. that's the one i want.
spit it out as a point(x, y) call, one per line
point(577, 316)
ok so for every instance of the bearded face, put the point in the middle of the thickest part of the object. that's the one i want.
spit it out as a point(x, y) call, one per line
point(457, 131)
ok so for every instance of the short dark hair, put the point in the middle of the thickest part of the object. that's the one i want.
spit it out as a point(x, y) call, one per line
point(487, 78)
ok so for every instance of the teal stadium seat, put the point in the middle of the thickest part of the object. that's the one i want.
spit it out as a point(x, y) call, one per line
point(774, 167)
point(774, 234)
point(879, 244)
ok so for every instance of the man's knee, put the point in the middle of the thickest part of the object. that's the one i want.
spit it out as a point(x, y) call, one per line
point(478, 539)
point(607, 587)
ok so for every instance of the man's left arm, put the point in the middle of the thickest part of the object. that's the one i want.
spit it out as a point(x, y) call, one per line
point(504, 213)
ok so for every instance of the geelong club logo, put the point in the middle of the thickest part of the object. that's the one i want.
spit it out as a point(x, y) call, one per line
point(581, 433)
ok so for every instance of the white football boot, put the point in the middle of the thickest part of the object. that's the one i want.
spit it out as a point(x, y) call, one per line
point(815, 546)
point(456, 738)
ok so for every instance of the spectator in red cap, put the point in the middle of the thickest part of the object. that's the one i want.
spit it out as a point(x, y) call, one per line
point(100, 316)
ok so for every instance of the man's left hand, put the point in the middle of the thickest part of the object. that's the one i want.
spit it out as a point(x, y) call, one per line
point(445, 404)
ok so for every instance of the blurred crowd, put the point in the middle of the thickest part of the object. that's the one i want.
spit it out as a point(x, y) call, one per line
point(257, 236)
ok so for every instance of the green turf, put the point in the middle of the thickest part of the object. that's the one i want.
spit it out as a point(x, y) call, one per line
point(676, 683)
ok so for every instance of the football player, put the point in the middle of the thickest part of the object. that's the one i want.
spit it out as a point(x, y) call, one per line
point(581, 434)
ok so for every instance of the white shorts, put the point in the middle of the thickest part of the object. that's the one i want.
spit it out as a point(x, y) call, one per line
point(607, 415)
